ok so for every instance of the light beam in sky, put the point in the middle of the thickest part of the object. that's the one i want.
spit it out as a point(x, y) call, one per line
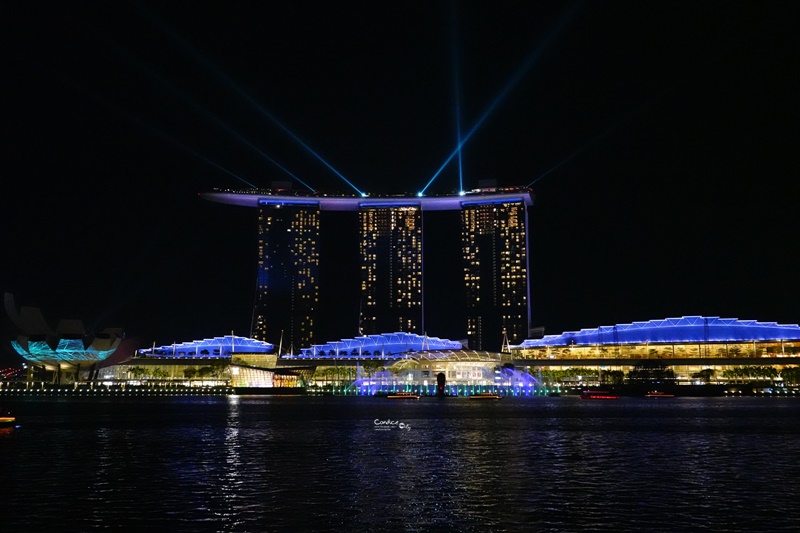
point(457, 93)
point(252, 101)
point(532, 57)
point(219, 122)
point(627, 118)
point(154, 131)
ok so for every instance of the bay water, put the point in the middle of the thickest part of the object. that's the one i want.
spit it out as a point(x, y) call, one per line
point(345, 463)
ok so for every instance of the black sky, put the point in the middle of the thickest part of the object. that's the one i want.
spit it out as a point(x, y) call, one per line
point(660, 138)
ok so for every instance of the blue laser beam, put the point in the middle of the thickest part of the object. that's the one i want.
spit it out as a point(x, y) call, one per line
point(457, 93)
point(614, 126)
point(164, 136)
point(532, 57)
point(131, 289)
point(188, 150)
point(150, 128)
point(187, 99)
point(153, 130)
point(241, 92)
point(226, 127)
point(290, 133)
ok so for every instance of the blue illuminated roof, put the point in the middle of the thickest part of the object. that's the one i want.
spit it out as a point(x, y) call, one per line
point(73, 351)
point(217, 347)
point(256, 197)
point(687, 329)
point(383, 344)
point(68, 342)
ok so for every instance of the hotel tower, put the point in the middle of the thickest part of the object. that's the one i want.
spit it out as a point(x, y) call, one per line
point(493, 264)
point(495, 254)
point(390, 246)
point(287, 288)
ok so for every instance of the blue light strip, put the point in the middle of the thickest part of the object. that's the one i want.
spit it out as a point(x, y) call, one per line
point(387, 344)
point(688, 329)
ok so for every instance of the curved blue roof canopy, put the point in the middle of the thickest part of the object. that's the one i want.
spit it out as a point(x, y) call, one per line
point(687, 329)
point(217, 347)
point(382, 344)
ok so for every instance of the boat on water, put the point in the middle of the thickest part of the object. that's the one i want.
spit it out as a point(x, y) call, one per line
point(598, 395)
point(7, 419)
point(485, 396)
point(403, 395)
point(658, 394)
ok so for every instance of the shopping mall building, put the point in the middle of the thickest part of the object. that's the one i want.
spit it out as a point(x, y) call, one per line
point(694, 350)
point(690, 350)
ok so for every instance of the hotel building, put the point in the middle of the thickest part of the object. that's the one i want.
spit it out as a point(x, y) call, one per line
point(390, 248)
point(495, 254)
point(287, 291)
point(493, 266)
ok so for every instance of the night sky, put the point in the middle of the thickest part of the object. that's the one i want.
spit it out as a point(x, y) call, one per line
point(660, 140)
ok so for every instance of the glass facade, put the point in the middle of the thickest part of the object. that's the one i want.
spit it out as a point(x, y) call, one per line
point(390, 247)
point(688, 336)
point(694, 348)
point(495, 254)
point(287, 292)
point(494, 262)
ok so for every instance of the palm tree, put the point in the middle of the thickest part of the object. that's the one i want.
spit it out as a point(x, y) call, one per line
point(706, 375)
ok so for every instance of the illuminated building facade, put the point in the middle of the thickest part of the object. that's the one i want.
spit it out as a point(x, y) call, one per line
point(381, 346)
point(61, 354)
point(694, 350)
point(689, 338)
point(287, 291)
point(495, 252)
point(494, 262)
point(390, 247)
point(688, 356)
point(228, 361)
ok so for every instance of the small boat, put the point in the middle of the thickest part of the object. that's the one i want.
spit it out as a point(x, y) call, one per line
point(7, 419)
point(485, 396)
point(598, 395)
point(403, 395)
point(658, 394)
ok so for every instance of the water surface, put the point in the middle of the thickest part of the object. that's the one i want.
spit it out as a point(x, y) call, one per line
point(257, 463)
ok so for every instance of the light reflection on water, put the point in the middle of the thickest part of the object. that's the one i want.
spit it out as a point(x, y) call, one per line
point(250, 464)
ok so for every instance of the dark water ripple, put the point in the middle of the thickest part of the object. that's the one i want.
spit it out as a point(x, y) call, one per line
point(258, 464)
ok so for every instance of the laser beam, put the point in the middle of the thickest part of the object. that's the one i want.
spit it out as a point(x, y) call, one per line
point(229, 129)
point(241, 92)
point(531, 58)
point(187, 99)
point(457, 92)
point(153, 130)
point(627, 118)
